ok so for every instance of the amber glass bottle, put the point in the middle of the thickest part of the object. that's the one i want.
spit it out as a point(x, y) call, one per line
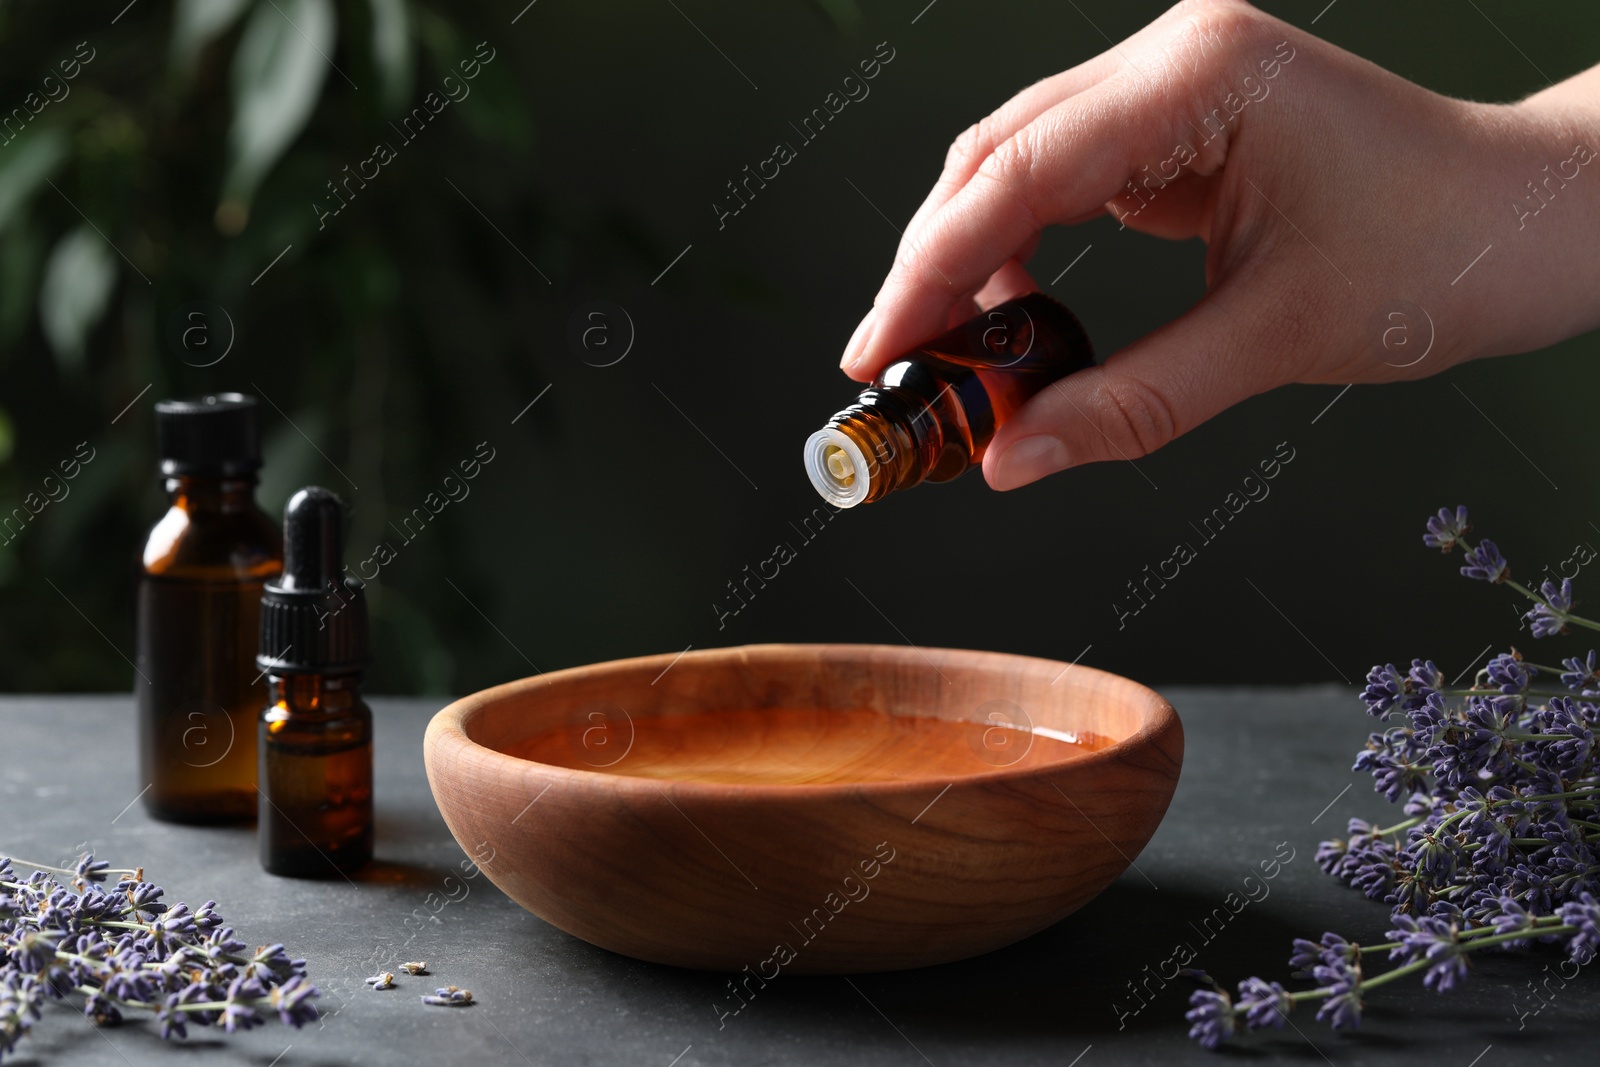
point(315, 731)
point(931, 413)
point(200, 581)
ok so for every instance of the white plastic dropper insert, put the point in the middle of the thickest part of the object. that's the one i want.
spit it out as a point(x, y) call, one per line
point(837, 468)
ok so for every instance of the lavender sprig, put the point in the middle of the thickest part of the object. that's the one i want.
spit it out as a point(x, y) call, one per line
point(125, 949)
point(1500, 849)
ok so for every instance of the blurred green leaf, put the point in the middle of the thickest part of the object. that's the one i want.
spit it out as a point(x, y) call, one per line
point(78, 279)
point(391, 51)
point(497, 111)
point(277, 76)
point(8, 439)
point(25, 166)
point(195, 24)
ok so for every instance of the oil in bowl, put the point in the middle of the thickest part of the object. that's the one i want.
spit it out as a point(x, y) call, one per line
point(801, 746)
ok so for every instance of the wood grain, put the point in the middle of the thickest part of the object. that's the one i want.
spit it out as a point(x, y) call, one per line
point(805, 878)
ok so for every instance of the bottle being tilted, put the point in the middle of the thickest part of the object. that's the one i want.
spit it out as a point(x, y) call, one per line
point(931, 413)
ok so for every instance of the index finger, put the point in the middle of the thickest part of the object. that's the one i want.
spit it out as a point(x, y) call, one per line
point(969, 150)
point(1065, 165)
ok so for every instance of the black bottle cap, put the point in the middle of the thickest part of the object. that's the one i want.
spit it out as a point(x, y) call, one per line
point(313, 617)
point(217, 435)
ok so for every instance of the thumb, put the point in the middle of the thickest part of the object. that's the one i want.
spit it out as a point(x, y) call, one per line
point(1163, 385)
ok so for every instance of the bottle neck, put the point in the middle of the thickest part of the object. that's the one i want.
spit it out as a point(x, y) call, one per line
point(889, 445)
point(890, 439)
point(200, 493)
point(312, 694)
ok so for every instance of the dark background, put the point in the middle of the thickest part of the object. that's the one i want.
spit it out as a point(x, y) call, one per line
point(408, 330)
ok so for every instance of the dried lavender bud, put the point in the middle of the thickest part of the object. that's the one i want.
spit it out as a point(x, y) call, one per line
point(1445, 529)
point(1263, 1004)
point(449, 996)
point(415, 968)
point(381, 981)
point(1486, 563)
point(1212, 1016)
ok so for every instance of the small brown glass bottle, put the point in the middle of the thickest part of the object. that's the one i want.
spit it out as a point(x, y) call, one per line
point(199, 591)
point(931, 414)
point(316, 731)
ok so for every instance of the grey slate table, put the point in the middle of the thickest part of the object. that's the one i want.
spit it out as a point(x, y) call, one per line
point(1263, 768)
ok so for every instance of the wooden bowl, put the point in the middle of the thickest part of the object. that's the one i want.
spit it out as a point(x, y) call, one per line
point(876, 872)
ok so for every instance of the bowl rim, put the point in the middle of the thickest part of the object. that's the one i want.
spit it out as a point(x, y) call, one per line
point(448, 726)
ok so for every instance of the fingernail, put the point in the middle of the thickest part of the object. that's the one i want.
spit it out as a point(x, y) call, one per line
point(858, 341)
point(1029, 460)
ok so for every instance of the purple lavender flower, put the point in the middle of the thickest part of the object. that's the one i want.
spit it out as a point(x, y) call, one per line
point(127, 978)
point(1509, 674)
point(1531, 884)
point(1433, 940)
point(1451, 768)
point(30, 949)
point(1485, 562)
point(101, 1009)
point(1571, 737)
point(1549, 616)
point(238, 1011)
point(91, 870)
point(1331, 857)
point(1263, 1004)
point(143, 896)
point(1335, 947)
point(1425, 676)
point(292, 1000)
point(1501, 795)
point(1583, 913)
point(20, 998)
point(1482, 825)
point(1581, 674)
point(220, 945)
point(1445, 529)
point(1513, 918)
point(1372, 868)
point(171, 1018)
point(1211, 1012)
point(1389, 758)
point(1306, 955)
point(1436, 855)
point(272, 963)
point(1332, 950)
point(186, 967)
point(1342, 1009)
point(1385, 687)
point(1427, 718)
point(1485, 721)
point(1446, 910)
point(176, 920)
point(207, 918)
point(1365, 861)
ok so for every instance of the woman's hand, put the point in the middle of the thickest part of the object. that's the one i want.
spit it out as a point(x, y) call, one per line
point(1360, 228)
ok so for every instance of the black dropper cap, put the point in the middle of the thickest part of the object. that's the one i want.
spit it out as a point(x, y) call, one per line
point(217, 435)
point(314, 617)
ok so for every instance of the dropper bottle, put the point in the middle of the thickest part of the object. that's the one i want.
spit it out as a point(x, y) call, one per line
point(932, 412)
point(315, 735)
